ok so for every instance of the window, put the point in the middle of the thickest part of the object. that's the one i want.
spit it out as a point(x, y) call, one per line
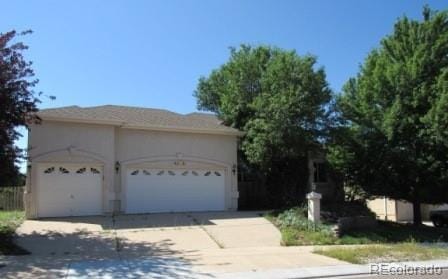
point(320, 172)
point(49, 170)
point(207, 173)
point(63, 170)
point(94, 170)
point(185, 173)
point(81, 170)
point(194, 173)
point(134, 172)
point(217, 173)
point(145, 172)
point(171, 172)
point(161, 172)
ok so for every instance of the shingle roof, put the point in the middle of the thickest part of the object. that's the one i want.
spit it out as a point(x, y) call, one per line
point(139, 118)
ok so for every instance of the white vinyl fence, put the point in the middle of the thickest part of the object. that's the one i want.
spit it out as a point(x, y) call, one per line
point(11, 198)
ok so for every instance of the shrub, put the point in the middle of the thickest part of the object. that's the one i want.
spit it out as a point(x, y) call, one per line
point(331, 212)
point(296, 218)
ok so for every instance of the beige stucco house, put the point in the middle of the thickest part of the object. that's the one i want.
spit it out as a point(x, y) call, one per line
point(99, 160)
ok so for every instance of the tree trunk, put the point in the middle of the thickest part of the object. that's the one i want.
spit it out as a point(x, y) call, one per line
point(417, 213)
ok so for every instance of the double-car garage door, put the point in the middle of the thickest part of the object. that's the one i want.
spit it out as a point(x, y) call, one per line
point(171, 190)
point(77, 190)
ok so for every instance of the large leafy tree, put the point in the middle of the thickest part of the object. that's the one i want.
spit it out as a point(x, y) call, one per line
point(393, 140)
point(276, 97)
point(17, 103)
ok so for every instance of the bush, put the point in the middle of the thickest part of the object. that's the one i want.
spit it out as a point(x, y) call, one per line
point(331, 212)
point(296, 218)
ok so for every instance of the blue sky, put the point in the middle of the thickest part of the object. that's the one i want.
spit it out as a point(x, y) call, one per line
point(151, 53)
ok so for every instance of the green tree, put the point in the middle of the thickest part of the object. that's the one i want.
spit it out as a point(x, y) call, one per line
point(17, 103)
point(393, 137)
point(276, 97)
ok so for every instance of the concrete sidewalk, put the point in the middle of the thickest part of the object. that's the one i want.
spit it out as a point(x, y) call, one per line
point(203, 262)
point(176, 268)
point(332, 271)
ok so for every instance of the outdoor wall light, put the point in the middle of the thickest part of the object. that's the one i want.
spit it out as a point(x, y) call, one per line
point(234, 169)
point(117, 167)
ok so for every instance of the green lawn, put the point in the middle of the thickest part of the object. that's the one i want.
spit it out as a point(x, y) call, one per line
point(9, 221)
point(297, 230)
point(391, 232)
point(385, 232)
point(409, 251)
point(386, 242)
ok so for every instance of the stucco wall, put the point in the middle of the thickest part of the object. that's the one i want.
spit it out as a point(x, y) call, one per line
point(384, 209)
point(133, 144)
point(51, 136)
point(327, 189)
point(405, 211)
point(70, 142)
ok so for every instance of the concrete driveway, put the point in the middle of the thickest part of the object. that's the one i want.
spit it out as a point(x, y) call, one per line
point(152, 245)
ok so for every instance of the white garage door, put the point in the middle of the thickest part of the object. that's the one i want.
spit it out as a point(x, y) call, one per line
point(170, 190)
point(69, 190)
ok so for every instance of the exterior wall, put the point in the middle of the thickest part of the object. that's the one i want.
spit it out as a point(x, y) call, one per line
point(405, 211)
point(384, 209)
point(326, 189)
point(117, 147)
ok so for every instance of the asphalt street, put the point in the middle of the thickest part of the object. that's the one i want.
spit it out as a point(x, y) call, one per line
point(439, 276)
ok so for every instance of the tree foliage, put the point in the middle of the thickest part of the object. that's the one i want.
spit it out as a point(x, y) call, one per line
point(17, 102)
point(275, 96)
point(393, 139)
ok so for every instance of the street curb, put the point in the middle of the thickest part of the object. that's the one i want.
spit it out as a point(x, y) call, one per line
point(326, 271)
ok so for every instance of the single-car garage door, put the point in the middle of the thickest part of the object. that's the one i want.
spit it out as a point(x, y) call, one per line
point(171, 190)
point(69, 190)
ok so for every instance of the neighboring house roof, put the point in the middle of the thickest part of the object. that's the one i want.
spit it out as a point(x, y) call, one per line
point(140, 118)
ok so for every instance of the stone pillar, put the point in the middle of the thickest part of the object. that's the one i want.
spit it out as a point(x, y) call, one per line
point(314, 206)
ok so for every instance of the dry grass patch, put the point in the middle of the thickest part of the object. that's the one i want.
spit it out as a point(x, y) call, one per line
point(409, 251)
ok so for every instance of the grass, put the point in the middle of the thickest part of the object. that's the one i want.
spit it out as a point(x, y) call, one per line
point(390, 232)
point(9, 221)
point(297, 230)
point(387, 242)
point(294, 237)
point(408, 251)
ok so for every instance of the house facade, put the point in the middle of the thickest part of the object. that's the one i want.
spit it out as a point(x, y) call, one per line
point(100, 160)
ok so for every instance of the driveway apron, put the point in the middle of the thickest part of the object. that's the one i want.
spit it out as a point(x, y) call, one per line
point(187, 245)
